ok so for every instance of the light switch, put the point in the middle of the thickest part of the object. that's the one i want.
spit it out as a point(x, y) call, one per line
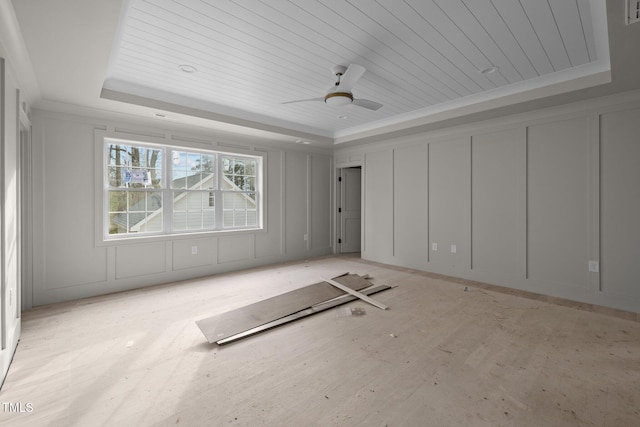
point(454, 249)
point(434, 246)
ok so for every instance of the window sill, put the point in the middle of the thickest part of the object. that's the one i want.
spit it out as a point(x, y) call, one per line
point(132, 240)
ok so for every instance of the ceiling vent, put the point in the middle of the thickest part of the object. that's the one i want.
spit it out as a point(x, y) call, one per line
point(633, 11)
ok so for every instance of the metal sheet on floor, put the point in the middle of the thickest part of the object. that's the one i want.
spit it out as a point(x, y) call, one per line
point(224, 325)
point(304, 313)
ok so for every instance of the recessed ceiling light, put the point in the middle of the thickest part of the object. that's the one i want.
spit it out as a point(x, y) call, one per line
point(188, 68)
point(343, 117)
point(488, 70)
point(300, 141)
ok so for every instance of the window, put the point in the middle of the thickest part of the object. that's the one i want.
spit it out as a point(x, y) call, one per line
point(152, 189)
point(134, 183)
point(193, 178)
point(239, 191)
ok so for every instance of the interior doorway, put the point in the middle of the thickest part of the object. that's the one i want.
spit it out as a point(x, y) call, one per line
point(349, 209)
point(26, 219)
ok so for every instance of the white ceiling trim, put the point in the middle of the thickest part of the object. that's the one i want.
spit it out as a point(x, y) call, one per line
point(151, 97)
point(564, 81)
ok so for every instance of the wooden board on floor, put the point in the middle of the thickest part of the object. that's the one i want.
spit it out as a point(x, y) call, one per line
point(218, 327)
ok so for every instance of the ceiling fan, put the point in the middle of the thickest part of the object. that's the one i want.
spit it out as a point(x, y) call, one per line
point(340, 94)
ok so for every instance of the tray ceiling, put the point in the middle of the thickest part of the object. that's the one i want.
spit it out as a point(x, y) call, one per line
point(236, 62)
point(246, 58)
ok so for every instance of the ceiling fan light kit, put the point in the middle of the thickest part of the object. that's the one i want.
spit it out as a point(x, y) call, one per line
point(338, 99)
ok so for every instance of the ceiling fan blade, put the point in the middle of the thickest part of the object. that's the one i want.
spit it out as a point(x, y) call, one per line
point(371, 105)
point(303, 100)
point(350, 77)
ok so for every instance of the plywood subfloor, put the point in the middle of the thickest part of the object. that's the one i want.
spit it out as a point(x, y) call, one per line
point(439, 356)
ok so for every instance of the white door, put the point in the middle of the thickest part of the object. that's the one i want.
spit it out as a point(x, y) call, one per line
point(349, 210)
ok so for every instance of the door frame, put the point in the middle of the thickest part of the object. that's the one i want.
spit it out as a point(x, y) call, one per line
point(337, 202)
point(25, 217)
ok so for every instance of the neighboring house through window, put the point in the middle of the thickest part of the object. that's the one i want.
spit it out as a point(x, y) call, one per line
point(156, 189)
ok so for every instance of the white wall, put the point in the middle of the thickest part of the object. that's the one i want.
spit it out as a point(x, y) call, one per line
point(527, 200)
point(70, 262)
point(10, 227)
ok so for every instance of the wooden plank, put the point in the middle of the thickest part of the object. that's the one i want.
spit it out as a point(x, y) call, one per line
point(304, 313)
point(244, 318)
point(356, 294)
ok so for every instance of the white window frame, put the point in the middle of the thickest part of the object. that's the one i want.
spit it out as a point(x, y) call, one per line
point(103, 139)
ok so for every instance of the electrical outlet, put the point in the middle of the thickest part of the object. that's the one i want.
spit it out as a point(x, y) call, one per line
point(594, 266)
point(194, 250)
point(633, 11)
point(454, 249)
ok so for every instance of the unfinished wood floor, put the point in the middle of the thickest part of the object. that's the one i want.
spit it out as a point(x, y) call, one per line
point(440, 356)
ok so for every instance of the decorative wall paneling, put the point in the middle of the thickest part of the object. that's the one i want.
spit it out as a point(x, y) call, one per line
point(498, 203)
point(620, 203)
point(449, 198)
point(297, 215)
point(545, 202)
point(410, 189)
point(377, 218)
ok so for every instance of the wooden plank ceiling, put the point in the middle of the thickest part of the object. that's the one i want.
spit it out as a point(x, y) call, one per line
point(251, 56)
